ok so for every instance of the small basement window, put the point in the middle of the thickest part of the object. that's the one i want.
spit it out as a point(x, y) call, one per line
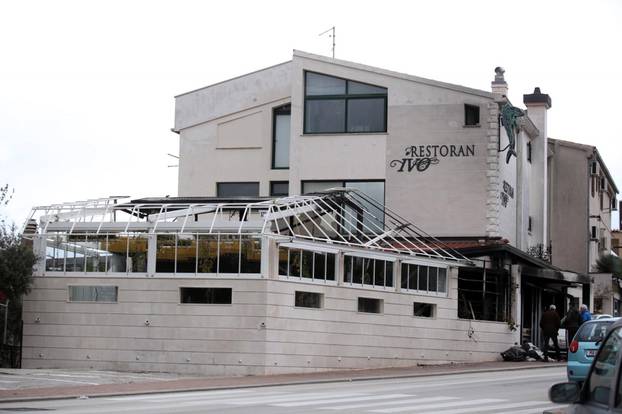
point(309, 300)
point(107, 294)
point(471, 115)
point(370, 305)
point(424, 310)
point(214, 296)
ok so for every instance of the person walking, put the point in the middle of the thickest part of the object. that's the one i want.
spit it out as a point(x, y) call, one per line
point(549, 323)
point(585, 314)
point(572, 322)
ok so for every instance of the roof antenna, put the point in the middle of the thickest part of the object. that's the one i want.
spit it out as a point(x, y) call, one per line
point(330, 35)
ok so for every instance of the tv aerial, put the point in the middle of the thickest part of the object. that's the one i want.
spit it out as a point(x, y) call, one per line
point(332, 29)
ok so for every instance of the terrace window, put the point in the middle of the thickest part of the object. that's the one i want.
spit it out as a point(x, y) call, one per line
point(368, 271)
point(306, 264)
point(424, 279)
point(335, 105)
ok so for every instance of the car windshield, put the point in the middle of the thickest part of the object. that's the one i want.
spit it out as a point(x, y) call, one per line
point(592, 332)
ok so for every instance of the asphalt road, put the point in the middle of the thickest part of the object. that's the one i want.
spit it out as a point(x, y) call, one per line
point(517, 392)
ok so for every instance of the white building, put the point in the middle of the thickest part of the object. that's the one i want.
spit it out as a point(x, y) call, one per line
point(464, 164)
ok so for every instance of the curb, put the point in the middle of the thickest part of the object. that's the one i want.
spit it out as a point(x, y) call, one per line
point(280, 383)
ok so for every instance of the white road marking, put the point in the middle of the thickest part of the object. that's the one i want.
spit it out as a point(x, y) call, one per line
point(339, 400)
point(534, 410)
point(487, 408)
point(294, 397)
point(385, 403)
point(435, 407)
point(175, 395)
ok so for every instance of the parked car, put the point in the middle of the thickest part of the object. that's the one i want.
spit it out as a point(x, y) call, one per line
point(601, 390)
point(584, 346)
point(601, 316)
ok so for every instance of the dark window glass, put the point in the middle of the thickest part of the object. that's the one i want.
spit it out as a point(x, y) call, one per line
point(137, 253)
point(471, 115)
point(250, 255)
point(279, 188)
point(388, 276)
point(250, 189)
point(208, 254)
point(370, 305)
point(93, 293)
point(592, 332)
point(217, 296)
point(330, 266)
point(357, 88)
point(283, 255)
point(425, 310)
point(76, 252)
point(483, 294)
point(307, 264)
point(165, 254)
point(281, 136)
point(186, 253)
point(229, 257)
point(404, 283)
point(379, 272)
point(348, 269)
point(368, 271)
point(319, 267)
point(318, 84)
point(308, 299)
point(366, 115)
point(294, 262)
point(357, 271)
point(529, 151)
point(442, 280)
point(432, 279)
point(325, 115)
point(423, 278)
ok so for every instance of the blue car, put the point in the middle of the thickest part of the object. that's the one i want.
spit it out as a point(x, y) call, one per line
point(584, 347)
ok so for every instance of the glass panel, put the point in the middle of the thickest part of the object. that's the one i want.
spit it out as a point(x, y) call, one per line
point(251, 255)
point(404, 282)
point(373, 217)
point(96, 253)
point(117, 249)
point(366, 115)
point(207, 261)
point(279, 189)
point(324, 85)
point(423, 278)
point(219, 296)
point(294, 262)
point(348, 269)
point(55, 252)
point(319, 270)
point(186, 253)
point(442, 280)
point(357, 270)
point(281, 140)
point(237, 189)
point(283, 255)
point(313, 187)
point(308, 299)
point(165, 253)
point(368, 271)
point(425, 310)
point(229, 250)
point(307, 264)
point(388, 277)
point(412, 277)
point(432, 279)
point(370, 305)
point(330, 266)
point(602, 374)
point(93, 293)
point(379, 272)
point(76, 254)
point(137, 253)
point(356, 88)
point(325, 115)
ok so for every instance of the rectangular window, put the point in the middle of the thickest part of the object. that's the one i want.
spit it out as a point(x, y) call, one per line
point(427, 279)
point(529, 152)
point(370, 272)
point(529, 224)
point(76, 246)
point(213, 296)
point(229, 254)
point(594, 232)
point(137, 253)
point(245, 189)
point(279, 188)
point(370, 305)
point(335, 105)
point(484, 294)
point(186, 255)
point(107, 294)
point(424, 310)
point(96, 252)
point(165, 254)
point(308, 300)
point(207, 260)
point(280, 136)
point(250, 255)
point(317, 266)
point(471, 115)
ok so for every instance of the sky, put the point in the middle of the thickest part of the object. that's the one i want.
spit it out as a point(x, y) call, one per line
point(87, 87)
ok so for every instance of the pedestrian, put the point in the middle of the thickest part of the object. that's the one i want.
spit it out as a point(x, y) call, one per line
point(585, 314)
point(571, 322)
point(549, 323)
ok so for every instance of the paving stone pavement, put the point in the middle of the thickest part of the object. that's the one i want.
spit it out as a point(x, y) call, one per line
point(28, 385)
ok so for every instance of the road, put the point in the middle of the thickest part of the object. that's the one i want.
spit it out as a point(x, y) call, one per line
point(516, 392)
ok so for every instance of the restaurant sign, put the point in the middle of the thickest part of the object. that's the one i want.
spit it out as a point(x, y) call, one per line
point(421, 157)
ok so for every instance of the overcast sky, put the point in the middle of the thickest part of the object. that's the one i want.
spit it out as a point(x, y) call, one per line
point(86, 88)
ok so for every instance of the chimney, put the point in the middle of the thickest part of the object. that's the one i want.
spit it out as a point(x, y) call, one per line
point(499, 85)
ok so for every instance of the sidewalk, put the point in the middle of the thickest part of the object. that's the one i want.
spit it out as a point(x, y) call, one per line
point(146, 384)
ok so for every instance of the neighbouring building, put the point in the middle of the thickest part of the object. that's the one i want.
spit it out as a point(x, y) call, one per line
point(616, 242)
point(315, 163)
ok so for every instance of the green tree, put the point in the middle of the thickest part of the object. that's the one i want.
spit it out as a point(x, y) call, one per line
point(609, 263)
point(16, 262)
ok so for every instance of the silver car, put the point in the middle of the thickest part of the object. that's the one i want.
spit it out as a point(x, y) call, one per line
point(602, 390)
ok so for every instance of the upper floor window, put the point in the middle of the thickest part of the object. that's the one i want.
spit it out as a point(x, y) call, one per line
point(243, 189)
point(471, 115)
point(281, 117)
point(335, 105)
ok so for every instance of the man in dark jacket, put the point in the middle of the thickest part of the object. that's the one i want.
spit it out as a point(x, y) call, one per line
point(572, 322)
point(549, 323)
